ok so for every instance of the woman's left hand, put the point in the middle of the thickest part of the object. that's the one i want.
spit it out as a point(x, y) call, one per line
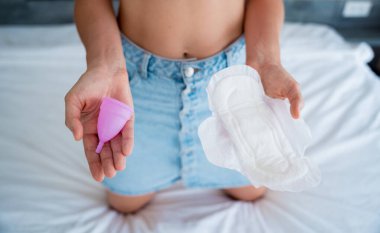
point(278, 83)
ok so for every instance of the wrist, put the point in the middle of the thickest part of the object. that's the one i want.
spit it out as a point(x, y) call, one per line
point(261, 66)
point(114, 65)
point(262, 56)
point(109, 66)
point(107, 60)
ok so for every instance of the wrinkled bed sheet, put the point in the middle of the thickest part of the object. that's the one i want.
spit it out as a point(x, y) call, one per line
point(45, 185)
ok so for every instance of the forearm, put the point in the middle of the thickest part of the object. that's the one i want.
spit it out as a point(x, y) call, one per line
point(263, 22)
point(99, 32)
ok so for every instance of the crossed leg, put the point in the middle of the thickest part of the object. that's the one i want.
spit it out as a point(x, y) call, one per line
point(128, 204)
point(246, 193)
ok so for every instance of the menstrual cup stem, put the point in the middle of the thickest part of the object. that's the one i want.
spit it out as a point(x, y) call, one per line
point(99, 147)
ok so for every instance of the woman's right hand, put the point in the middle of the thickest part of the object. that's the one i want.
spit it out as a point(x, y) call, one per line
point(82, 105)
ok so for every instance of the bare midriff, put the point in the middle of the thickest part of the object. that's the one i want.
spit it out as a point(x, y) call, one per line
point(179, 29)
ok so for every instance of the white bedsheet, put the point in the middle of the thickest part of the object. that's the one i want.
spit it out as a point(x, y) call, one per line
point(45, 185)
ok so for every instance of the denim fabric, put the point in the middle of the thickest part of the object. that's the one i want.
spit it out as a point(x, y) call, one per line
point(169, 106)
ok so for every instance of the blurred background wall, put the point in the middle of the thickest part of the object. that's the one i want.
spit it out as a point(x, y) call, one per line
point(356, 20)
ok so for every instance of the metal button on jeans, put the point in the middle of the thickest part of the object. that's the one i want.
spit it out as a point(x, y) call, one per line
point(189, 72)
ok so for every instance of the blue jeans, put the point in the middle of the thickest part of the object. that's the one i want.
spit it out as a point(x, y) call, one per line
point(170, 101)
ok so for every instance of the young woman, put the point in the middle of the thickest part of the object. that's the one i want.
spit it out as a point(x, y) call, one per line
point(163, 53)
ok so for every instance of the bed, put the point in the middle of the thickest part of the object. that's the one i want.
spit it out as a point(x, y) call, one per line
point(45, 185)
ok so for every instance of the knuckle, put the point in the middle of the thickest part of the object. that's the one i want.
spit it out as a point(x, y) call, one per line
point(296, 86)
point(107, 158)
point(68, 97)
point(67, 123)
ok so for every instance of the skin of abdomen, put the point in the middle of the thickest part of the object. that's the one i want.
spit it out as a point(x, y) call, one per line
point(182, 28)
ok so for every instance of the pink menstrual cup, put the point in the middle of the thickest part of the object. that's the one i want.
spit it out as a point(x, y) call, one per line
point(112, 118)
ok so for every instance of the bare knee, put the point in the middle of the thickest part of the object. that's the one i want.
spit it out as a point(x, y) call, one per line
point(128, 204)
point(247, 193)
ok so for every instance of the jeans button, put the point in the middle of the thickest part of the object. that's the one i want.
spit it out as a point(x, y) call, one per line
point(189, 72)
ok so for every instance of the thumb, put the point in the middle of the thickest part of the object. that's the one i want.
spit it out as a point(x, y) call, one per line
point(72, 116)
point(295, 99)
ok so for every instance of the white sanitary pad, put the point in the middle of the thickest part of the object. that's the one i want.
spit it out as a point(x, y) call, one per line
point(255, 134)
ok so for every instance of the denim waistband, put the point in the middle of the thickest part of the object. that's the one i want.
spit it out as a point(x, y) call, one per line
point(147, 61)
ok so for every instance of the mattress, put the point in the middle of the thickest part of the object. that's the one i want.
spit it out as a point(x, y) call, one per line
point(45, 185)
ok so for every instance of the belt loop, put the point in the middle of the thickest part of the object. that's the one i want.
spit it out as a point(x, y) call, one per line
point(229, 56)
point(145, 65)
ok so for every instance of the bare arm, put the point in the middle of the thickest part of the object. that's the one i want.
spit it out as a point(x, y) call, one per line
point(264, 19)
point(263, 22)
point(98, 29)
point(106, 76)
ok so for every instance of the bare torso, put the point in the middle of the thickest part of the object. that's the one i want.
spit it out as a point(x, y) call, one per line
point(182, 28)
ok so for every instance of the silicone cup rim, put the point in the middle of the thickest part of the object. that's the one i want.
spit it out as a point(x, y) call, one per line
point(117, 103)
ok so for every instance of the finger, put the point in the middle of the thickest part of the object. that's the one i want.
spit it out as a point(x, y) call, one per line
point(72, 116)
point(294, 105)
point(118, 157)
point(89, 142)
point(107, 160)
point(295, 98)
point(127, 136)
